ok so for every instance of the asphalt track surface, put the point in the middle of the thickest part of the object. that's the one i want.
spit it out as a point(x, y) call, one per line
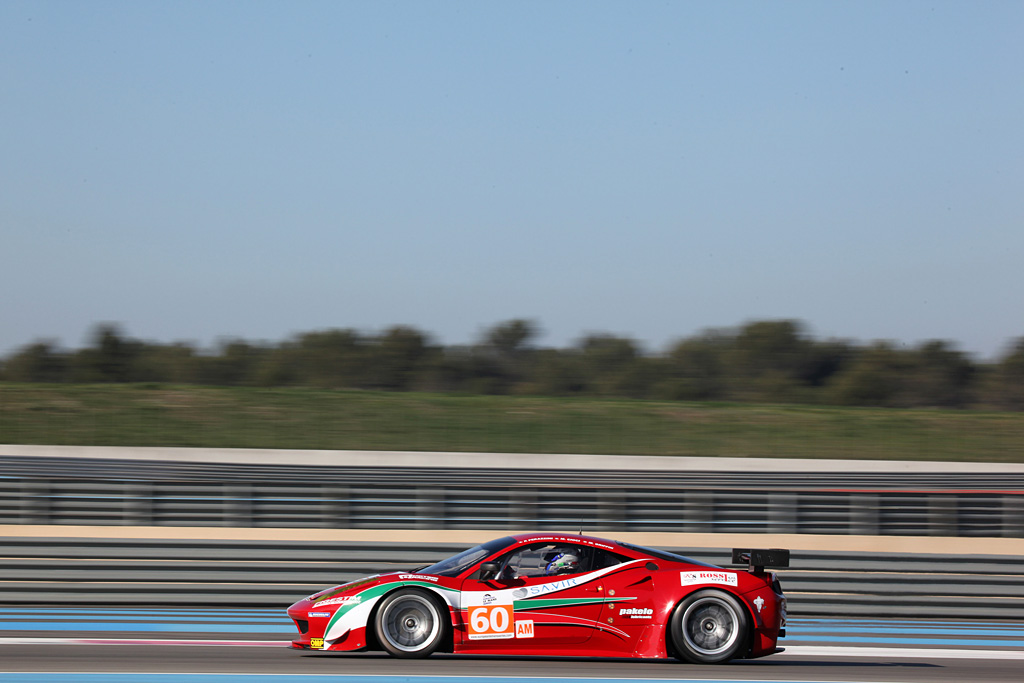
point(51, 659)
point(203, 646)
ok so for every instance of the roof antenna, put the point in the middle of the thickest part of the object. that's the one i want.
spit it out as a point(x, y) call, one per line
point(581, 525)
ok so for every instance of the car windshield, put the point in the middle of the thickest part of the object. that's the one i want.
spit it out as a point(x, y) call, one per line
point(664, 554)
point(457, 564)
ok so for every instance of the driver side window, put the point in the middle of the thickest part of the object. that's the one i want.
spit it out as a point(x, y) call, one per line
point(545, 559)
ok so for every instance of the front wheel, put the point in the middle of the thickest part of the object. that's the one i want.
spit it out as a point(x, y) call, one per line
point(409, 624)
point(709, 626)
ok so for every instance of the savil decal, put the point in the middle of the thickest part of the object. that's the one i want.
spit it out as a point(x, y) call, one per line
point(545, 588)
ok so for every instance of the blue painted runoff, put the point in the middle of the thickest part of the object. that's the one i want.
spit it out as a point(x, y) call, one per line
point(229, 621)
point(9, 677)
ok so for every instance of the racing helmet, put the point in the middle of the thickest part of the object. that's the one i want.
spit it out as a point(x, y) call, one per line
point(563, 563)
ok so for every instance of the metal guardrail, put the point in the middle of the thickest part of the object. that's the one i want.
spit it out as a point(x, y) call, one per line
point(404, 500)
point(68, 571)
point(83, 491)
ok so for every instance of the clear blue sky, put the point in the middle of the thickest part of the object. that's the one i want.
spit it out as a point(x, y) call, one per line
point(196, 170)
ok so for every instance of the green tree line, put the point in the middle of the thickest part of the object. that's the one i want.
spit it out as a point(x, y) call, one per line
point(774, 361)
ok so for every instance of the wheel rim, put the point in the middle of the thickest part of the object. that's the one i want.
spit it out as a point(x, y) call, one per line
point(410, 623)
point(710, 626)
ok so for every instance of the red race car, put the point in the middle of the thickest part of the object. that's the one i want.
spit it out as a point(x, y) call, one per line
point(559, 595)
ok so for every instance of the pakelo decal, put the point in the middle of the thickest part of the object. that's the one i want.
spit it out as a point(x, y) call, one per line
point(697, 578)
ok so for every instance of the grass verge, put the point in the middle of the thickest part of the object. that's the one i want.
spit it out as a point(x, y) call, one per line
point(236, 417)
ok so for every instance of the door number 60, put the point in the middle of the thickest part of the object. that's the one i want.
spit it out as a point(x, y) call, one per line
point(494, 621)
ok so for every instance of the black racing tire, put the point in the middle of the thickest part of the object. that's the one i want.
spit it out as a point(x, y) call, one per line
point(410, 623)
point(708, 627)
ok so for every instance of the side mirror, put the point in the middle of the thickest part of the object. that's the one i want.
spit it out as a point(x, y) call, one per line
point(488, 570)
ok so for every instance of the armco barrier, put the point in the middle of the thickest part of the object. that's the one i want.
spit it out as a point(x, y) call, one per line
point(77, 571)
point(142, 493)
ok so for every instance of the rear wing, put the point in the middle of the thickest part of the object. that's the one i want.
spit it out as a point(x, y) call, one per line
point(757, 559)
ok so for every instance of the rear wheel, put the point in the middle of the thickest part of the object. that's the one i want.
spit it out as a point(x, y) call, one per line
point(708, 627)
point(409, 624)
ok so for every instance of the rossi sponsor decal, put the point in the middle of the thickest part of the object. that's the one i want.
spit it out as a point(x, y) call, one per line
point(417, 577)
point(696, 578)
point(637, 612)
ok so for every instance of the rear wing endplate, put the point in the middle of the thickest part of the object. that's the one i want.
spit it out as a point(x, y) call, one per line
point(758, 559)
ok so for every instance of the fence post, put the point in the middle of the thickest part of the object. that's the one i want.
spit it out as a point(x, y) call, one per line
point(522, 508)
point(612, 510)
point(430, 508)
point(35, 501)
point(698, 507)
point(863, 514)
point(1013, 515)
point(782, 512)
point(138, 504)
point(335, 511)
point(942, 515)
point(237, 505)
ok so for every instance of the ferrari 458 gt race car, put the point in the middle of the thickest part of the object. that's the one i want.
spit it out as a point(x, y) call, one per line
point(559, 595)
